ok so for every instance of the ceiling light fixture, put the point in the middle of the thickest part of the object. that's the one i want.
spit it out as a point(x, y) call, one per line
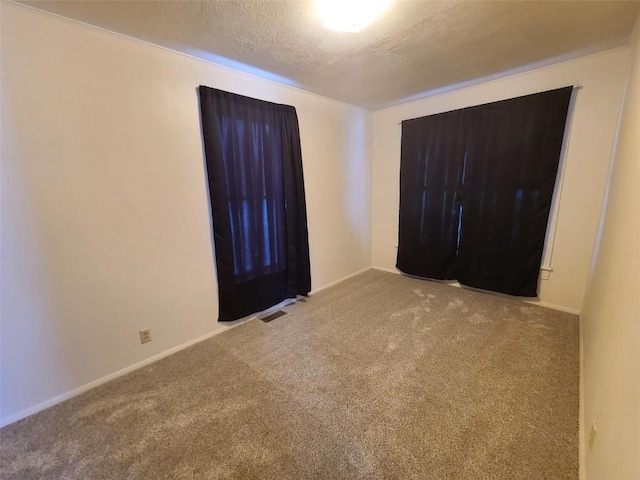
point(350, 15)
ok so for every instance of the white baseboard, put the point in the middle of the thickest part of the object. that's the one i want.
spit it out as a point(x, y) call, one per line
point(340, 280)
point(390, 270)
point(554, 307)
point(95, 383)
point(582, 452)
point(456, 284)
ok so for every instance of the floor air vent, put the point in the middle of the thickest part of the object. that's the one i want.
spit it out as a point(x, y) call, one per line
point(273, 316)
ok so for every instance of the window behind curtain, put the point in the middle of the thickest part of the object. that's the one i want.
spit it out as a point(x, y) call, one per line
point(255, 201)
point(433, 165)
point(504, 156)
point(254, 168)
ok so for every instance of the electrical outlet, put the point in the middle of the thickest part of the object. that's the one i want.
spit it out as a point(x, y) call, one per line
point(592, 434)
point(145, 335)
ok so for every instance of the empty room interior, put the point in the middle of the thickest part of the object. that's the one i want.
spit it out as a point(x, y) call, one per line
point(320, 239)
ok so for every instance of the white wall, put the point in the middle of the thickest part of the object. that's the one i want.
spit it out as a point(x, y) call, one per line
point(105, 222)
point(593, 127)
point(611, 315)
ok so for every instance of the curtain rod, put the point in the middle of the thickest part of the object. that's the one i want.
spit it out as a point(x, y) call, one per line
point(575, 87)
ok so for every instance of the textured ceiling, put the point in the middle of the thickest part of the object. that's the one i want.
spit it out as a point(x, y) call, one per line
point(417, 47)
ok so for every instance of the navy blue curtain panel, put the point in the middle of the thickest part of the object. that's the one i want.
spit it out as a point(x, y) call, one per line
point(431, 175)
point(256, 188)
point(504, 157)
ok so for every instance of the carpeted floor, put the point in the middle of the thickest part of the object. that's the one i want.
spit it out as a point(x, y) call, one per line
point(382, 376)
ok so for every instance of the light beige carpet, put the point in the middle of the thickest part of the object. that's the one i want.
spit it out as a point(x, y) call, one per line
point(382, 376)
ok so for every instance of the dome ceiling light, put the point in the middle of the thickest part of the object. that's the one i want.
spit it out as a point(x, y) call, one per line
point(350, 15)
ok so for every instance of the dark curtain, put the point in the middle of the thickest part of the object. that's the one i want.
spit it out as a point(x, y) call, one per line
point(512, 156)
point(489, 231)
point(432, 167)
point(256, 188)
